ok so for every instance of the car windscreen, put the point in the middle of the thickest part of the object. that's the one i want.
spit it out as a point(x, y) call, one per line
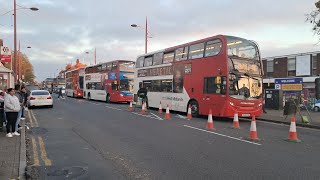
point(40, 93)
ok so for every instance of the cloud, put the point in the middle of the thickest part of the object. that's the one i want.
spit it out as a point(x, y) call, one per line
point(63, 30)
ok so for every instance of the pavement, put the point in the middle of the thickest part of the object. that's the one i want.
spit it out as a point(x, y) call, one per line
point(81, 139)
point(278, 117)
point(12, 155)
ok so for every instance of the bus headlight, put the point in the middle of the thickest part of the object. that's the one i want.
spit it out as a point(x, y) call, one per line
point(231, 103)
point(121, 94)
point(260, 104)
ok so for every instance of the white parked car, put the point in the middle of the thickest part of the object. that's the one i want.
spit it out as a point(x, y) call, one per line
point(317, 106)
point(40, 98)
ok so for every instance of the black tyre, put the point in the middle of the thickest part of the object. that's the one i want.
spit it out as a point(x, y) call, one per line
point(194, 108)
point(316, 109)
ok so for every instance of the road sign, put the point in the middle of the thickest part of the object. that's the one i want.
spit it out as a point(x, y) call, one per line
point(5, 54)
point(289, 81)
point(292, 87)
point(277, 86)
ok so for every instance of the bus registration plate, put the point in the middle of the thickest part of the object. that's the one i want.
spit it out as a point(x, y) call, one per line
point(245, 115)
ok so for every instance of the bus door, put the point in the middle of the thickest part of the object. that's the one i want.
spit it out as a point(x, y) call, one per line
point(214, 95)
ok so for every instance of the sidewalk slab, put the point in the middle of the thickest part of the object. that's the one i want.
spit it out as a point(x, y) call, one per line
point(9, 156)
point(278, 117)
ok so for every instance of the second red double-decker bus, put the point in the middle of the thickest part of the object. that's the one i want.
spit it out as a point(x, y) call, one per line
point(220, 73)
point(109, 81)
point(74, 83)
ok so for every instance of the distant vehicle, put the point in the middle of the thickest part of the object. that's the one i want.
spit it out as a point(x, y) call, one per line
point(74, 85)
point(40, 98)
point(317, 106)
point(109, 81)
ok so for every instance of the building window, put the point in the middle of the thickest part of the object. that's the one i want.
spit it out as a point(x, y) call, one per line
point(314, 65)
point(270, 66)
point(292, 66)
point(139, 62)
point(196, 51)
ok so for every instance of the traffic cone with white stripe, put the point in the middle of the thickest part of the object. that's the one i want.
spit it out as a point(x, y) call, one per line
point(160, 108)
point(189, 115)
point(253, 130)
point(167, 112)
point(236, 124)
point(130, 106)
point(293, 135)
point(210, 124)
point(143, 109)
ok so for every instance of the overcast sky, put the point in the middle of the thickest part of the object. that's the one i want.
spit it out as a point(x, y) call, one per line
point(63, 30)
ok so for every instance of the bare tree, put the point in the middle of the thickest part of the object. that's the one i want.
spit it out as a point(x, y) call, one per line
point(314, 19)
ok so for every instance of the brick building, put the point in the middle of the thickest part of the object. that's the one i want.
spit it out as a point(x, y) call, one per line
point(305, 66)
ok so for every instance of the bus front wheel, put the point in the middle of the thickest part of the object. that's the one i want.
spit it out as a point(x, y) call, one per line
point(108, 99)
point(194, 108)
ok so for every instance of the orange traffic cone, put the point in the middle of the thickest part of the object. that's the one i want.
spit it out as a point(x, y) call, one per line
point(189, 115)
point(167, 112)
point(236, 124)
point(143, 110)
point(293, 136)
point(160, 108)
point(253, 130)
point(130, 107)
point(210, 125)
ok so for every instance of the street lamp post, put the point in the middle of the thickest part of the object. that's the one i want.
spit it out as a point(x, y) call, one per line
point(20, 62)
point(15, 32)
point(95, 55)
point(146, 34)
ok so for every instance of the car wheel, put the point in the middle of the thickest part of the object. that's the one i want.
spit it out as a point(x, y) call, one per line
point(194, 108)
point(316, 108)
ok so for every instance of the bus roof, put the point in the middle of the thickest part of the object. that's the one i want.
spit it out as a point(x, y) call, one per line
point(110, 62)
point(187, 44)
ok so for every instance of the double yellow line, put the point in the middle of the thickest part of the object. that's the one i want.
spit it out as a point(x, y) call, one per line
point(33, 119)
point(43, 152)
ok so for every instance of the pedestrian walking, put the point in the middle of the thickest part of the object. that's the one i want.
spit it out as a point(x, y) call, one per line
point(12, 107)
point(61, 93)
point(19, 95)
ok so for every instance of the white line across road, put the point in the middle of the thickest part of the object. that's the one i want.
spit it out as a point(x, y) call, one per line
point(113, 108)
point(149, 116)
point(238, 139)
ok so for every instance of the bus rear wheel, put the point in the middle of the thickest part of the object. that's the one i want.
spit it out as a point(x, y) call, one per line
point(194, 108)
point(108, 99)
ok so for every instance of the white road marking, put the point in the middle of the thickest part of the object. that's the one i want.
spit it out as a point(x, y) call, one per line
point(223, 135)
point(113, 108)
point(157, 116)
point(146, 116)
point(180, 116)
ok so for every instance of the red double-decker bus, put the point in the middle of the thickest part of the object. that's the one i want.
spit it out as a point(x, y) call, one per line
point(109, 81)
point(221, 73)
point(74, 83)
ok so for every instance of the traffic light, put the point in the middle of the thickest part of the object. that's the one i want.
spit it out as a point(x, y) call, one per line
point(317, 82)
